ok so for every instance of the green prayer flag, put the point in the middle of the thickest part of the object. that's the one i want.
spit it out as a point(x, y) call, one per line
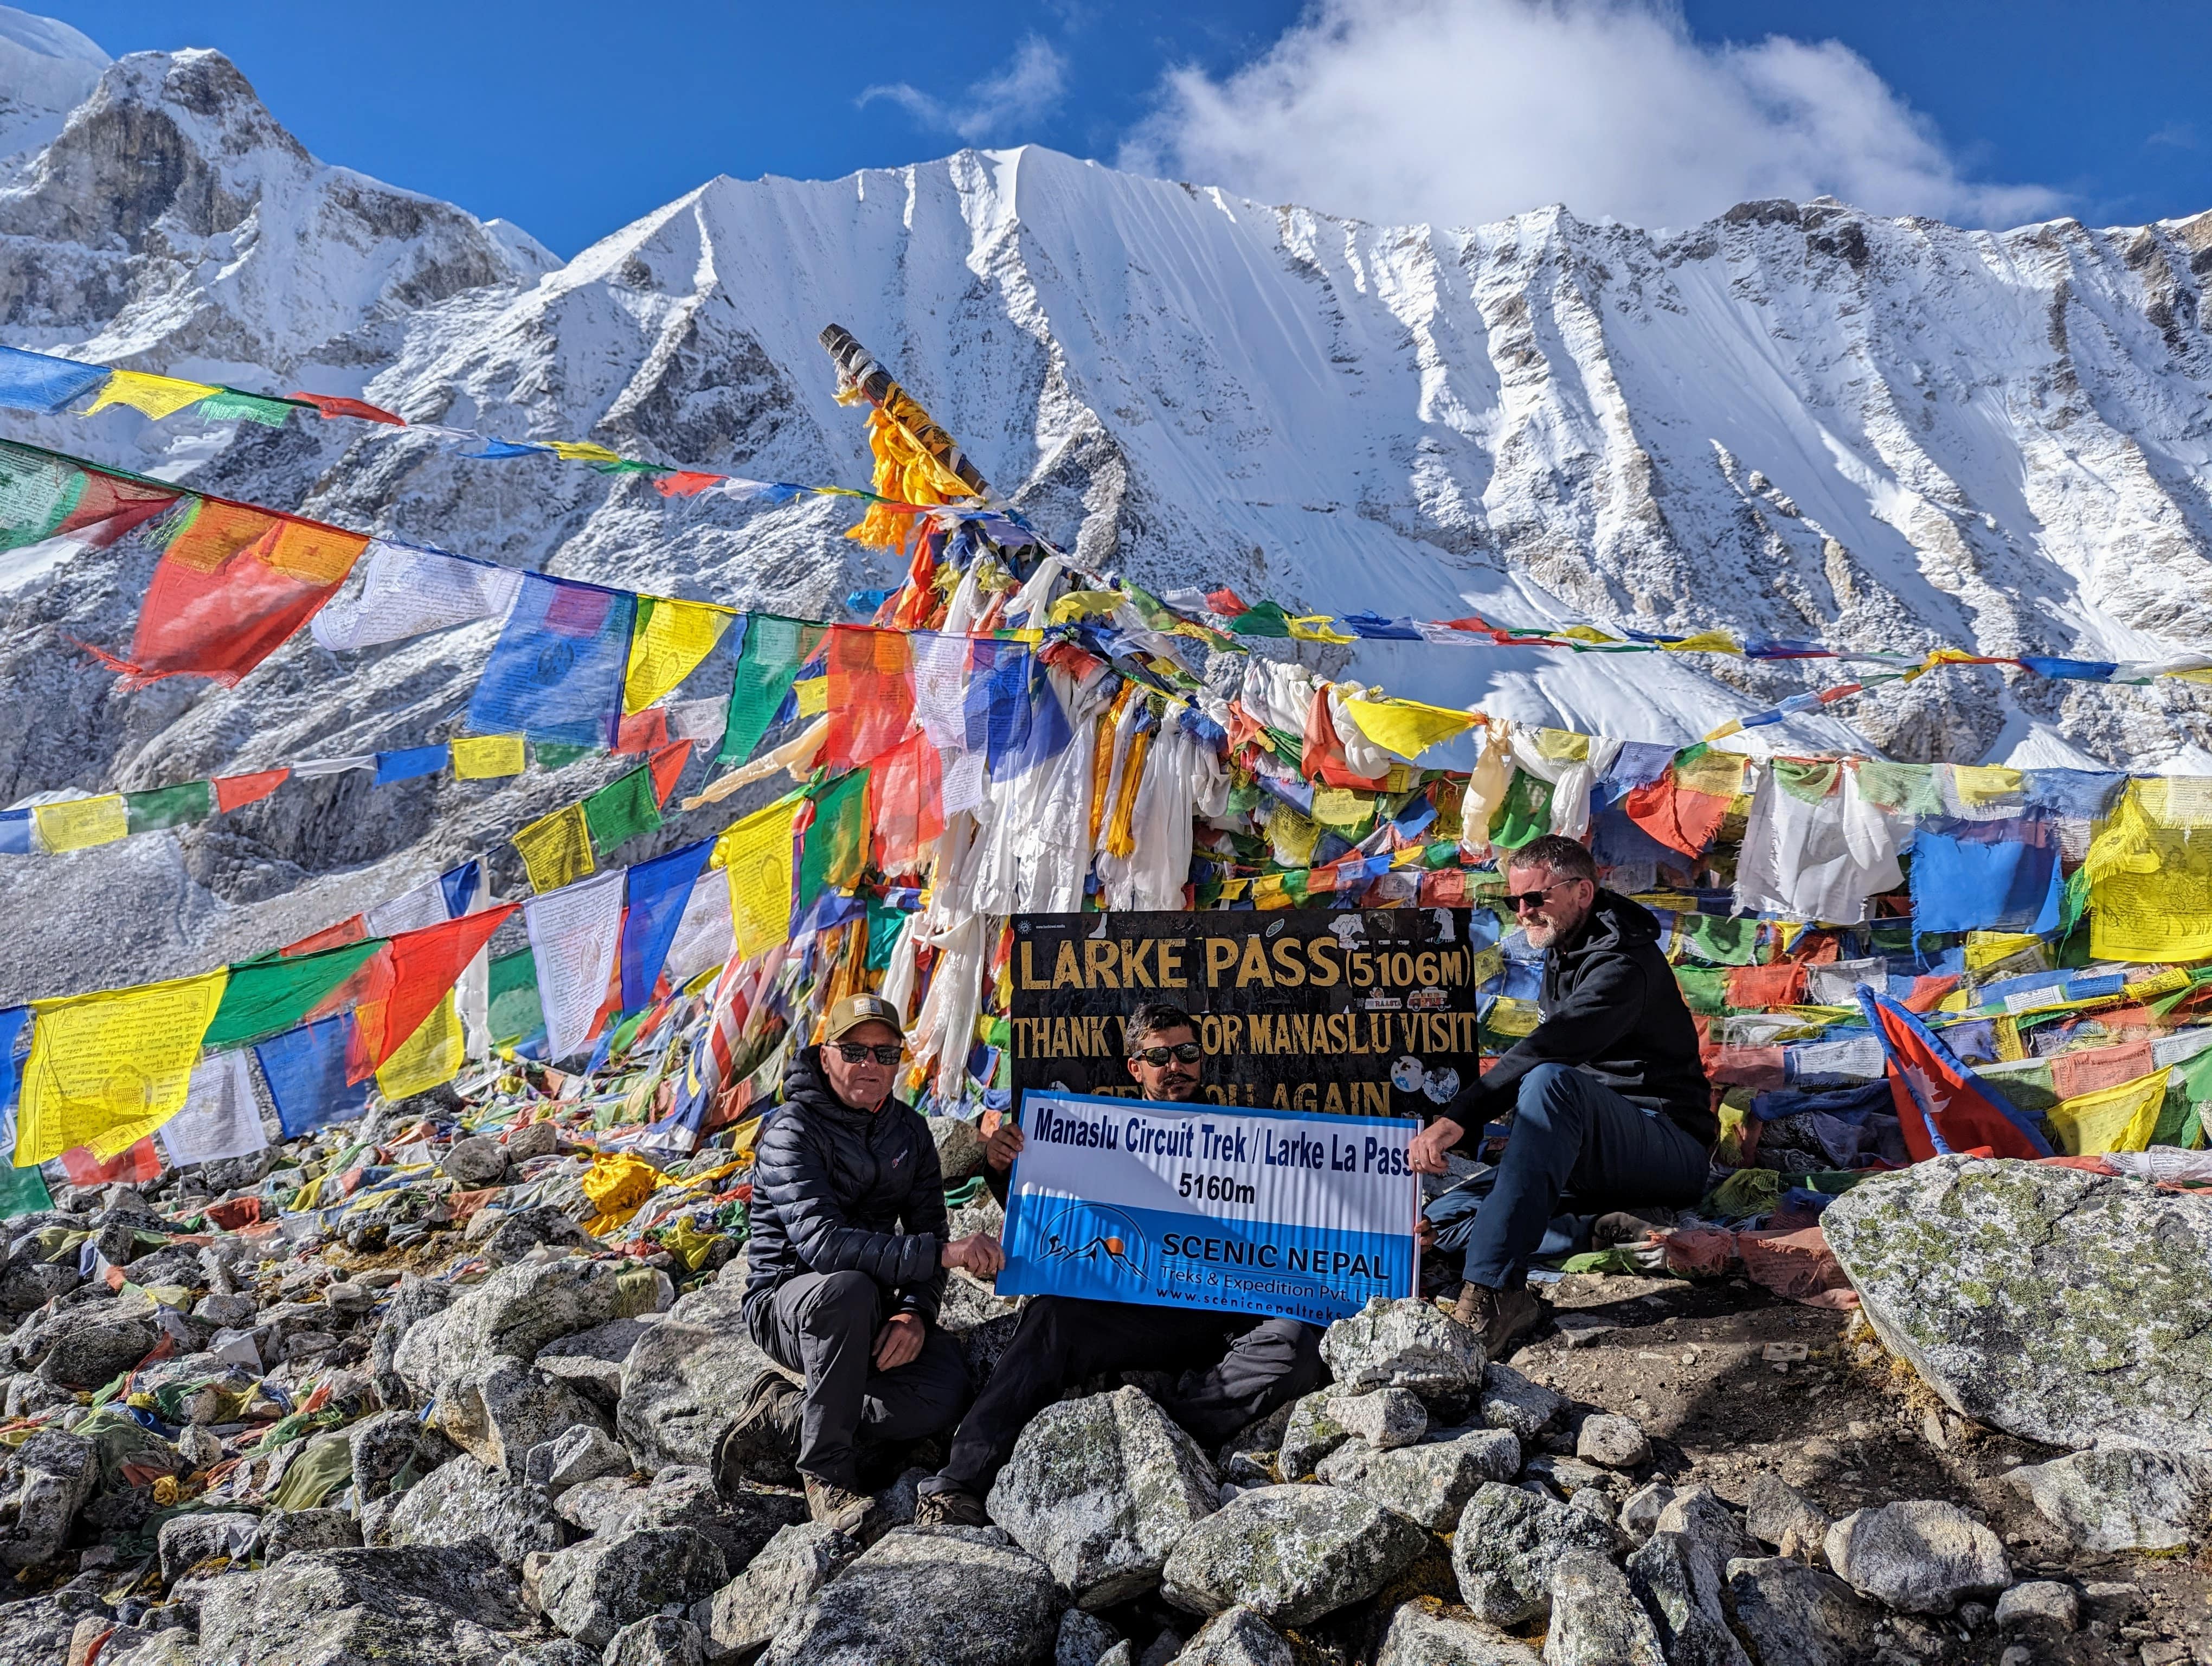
point(264, 996)
point(1717, 940)
point(22, 1191)
point(515, 1012)
point(36, 496)
point(557, 754)
point(885, 923)
point(1524, 814)
point(775, 648)
point(1261, 619)
point(1704, 989)
point(622, 810)
point(230, 405)
point(836, 847)
point(169, 806)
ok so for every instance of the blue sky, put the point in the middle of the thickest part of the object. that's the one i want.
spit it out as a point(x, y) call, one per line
point(572, 120)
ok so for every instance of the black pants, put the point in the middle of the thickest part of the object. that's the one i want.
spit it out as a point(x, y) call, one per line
point(1231, 1371)
point(824, 1324)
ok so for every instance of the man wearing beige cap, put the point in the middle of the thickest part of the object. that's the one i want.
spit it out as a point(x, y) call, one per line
point(845, 1267)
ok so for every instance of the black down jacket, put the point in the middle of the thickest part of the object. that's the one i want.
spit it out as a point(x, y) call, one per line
point(1611, 1008)
point(838, 1190)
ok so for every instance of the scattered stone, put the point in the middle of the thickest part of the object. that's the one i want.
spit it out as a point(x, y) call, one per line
point(1921, 1556)
point(1699, 1514)
point(1385, 1419)
point(774, 1586)
point(2040, 1599)
point(499, 1408)
point(1310, 1435)
point(959, 1148)
point(2051, 1303)
point(292, 1532)
point(1404, 1344)
point(468, 1499)
point(1595, 1619)
point(391, 1450)
point(1084, 1640)
point(531, 1140)
point(1293, 1553)
point(1778, 1515)
point(1431, 1482)
point(928, 1597)
point(683, 1495)
point(1639, 1516)
point(476, 1162)
point(413, 1606)
point(1102, 1490)
point(521, 1231)
point(1618, 1443)
point(1423, 1632)
point(658, 1640)
point(186, 1541)
point(1235, 1637)
point(1790, 1612)
point(586, 1452)
point(682, 1385)
point(1510, 1401)
point(2122, 1498)
point(592, 1590)
point(1679, 1581)
point(43, 1484)
point(1506, 1545)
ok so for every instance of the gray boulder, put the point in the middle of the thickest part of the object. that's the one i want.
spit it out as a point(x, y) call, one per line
point(774, 1586)
point(186, 1541)
point(521, 1231)
point(683, 1387)
point(1595, 1619)
point(591, 1361)
point(1310, 1435)
point(498, 1408)
point(391, 1450)
point(959, 1148)
point(1795, 1616)
point(468, 1499)
point(1386, 1419)
point(2057, 1305)
point(1506, 1545)
point(1235, 1637)
point(1403, 1344)
point(658, 1640)
point(738, 1523)
point(516, 1311)
point(1777, 1514)
point(2040, 1599)
point(1922, 1556)
point(1102, 1490)
point(1699, 1513)
point(90, 1346)
point(37, 1629)
point(294, 1532)
point(1618, 1443)
point(586, 1452)
point(531, 1140)
point(413, 1606)
point(475, 1163)
point(1431, 1482)
point(592, 1590)
point(928, 1597)
point(43, 1484)
point(1423, 1632)
point(1083, 1639)
point(1640, 1513)
point(1293, 1553)
point(1510, 1401)
point(2122, 1498)
point(1679, 1584)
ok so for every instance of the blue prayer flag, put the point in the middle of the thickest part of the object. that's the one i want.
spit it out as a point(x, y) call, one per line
point(556, 673)
point(658, 891)
point(14, 1026)
point(16, 833)
point(305, 1069)
point(410, 761)
point(1987, 875)
point(460, 885)
point(39, 382)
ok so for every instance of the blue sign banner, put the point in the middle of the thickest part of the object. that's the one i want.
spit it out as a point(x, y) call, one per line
point(1278, 1213)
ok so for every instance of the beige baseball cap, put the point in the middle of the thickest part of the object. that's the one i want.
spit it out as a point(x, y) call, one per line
point(850, 1013)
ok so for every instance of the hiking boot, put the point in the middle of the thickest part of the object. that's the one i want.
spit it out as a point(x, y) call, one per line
point(763, 1443)
point(835, 1507)
point(1630, 1227)
point(1502, 1317)
point(954, 1507)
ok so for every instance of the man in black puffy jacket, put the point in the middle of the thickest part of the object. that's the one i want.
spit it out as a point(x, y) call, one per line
point(1608, 1094)
point(847, 1263)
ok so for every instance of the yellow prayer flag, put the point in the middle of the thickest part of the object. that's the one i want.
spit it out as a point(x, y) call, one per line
point(755, 852)
point(1341, 807)
point(107, 1070)
point(1706, 641)
point(1511, 1016)
point(1734, 725)
point(2150, 873)
point(1268, 893)
point(428, 1059)
point(2121, 1118)
point(1563, 746)
point(79, 823)
point(1982, 784)
point(486, 757)
point(1987, 949)
point(1582, 633)
point(1408, 728)
point(156, 396)
point(556, 849)
point(1315, 627)
point(1717, 773)
point(813, 696)
point(669, 640)
point(580, 451)
point(1085, 605)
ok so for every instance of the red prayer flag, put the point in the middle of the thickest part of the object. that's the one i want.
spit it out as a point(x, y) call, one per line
point(641, 732)
point(906, 803)
point(232, 792)
point(1782, 985)
point(668, 766)
point(108, 508)
point(685, 483)
point(1323, 759)
point(139, 1162)
point(1942, 1106)
point(1677, 818)
point(425, 964)
point(1227, 603)
point(217, 608)
point(349, 930)
point(871, 694)
point(333, 404)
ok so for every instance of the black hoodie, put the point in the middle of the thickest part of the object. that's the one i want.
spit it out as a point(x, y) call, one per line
point(1611, 1008)
point(837, 1190)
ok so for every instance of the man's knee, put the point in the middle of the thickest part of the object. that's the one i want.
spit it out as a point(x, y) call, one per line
point(840, 1301)
point(1549, 1097)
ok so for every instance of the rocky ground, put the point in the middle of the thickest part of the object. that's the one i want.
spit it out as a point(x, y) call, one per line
point(453, 1426)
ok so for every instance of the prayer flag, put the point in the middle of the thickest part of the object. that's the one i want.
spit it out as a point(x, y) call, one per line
point(642, 731)
point(42, 384)
point(14, 1020)
point(80, 823)
point(574, 935)
point(906, 803)
point(556, 670)
point(515, 1012)
point(2123, 1117)
point(420, 967)
point(428, 1059)
point(169, 806)
point(15, 829)
point(217, 607)
point(1942, 1106)
point(264, 996)
point(487, 757)
point(1406, 726)
point(460, 885)
point(837, 845)
point(416, 908)
point(331, 404)
point(755, 854)
point(1996, 875)
point(306, 1070)
point(703, 937)
point(871, 694)
point(774, 650)
point(2150, 873)
point(220, 1119)
point(668, 766)
point(556, 849)
point(228, 404)
point(622, 810)
point(405, 593)
point(659, 897)
point(133, 1167)
point(670, 640)
point(43, 496)
point(410, 761)
point(156, 396)
point(105, 1070)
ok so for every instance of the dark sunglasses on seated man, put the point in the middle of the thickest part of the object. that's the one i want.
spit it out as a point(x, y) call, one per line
point(1188, 1052)
point(854, 1052)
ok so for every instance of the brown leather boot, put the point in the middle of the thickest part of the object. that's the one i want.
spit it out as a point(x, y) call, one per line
point(1501, 1316)
point(763, 1442)
point(951, 1508)
point(834, 1506)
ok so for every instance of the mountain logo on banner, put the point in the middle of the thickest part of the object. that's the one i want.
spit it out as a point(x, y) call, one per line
point(1104, 1239)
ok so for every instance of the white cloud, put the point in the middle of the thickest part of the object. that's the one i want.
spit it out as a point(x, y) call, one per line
point(1026, 90)
point(1461, 112)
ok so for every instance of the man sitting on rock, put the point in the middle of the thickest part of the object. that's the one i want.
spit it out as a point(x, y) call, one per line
point(845, 1267)
point(1608, 1094)
point(1233, 1369)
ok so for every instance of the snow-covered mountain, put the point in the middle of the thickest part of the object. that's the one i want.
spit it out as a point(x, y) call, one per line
point(1797, 420)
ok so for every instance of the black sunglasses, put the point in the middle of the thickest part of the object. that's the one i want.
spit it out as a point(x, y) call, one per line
point(1188, 1052)
point(1518, 900)
point(888, 1053)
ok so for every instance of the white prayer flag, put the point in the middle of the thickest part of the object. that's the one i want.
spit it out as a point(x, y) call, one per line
point(573, 934)
point(220, 1118)
point(405, 593)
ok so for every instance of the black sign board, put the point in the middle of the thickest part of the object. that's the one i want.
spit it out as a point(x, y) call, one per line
point(1369, 1012)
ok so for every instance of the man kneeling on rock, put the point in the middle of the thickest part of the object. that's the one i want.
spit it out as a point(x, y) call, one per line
point(1232, 1369)
point(1608, 1095)
point(845, 1267)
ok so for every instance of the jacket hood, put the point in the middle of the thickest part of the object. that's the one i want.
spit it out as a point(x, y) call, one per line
point(1616, 922)
point(805, 1082)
